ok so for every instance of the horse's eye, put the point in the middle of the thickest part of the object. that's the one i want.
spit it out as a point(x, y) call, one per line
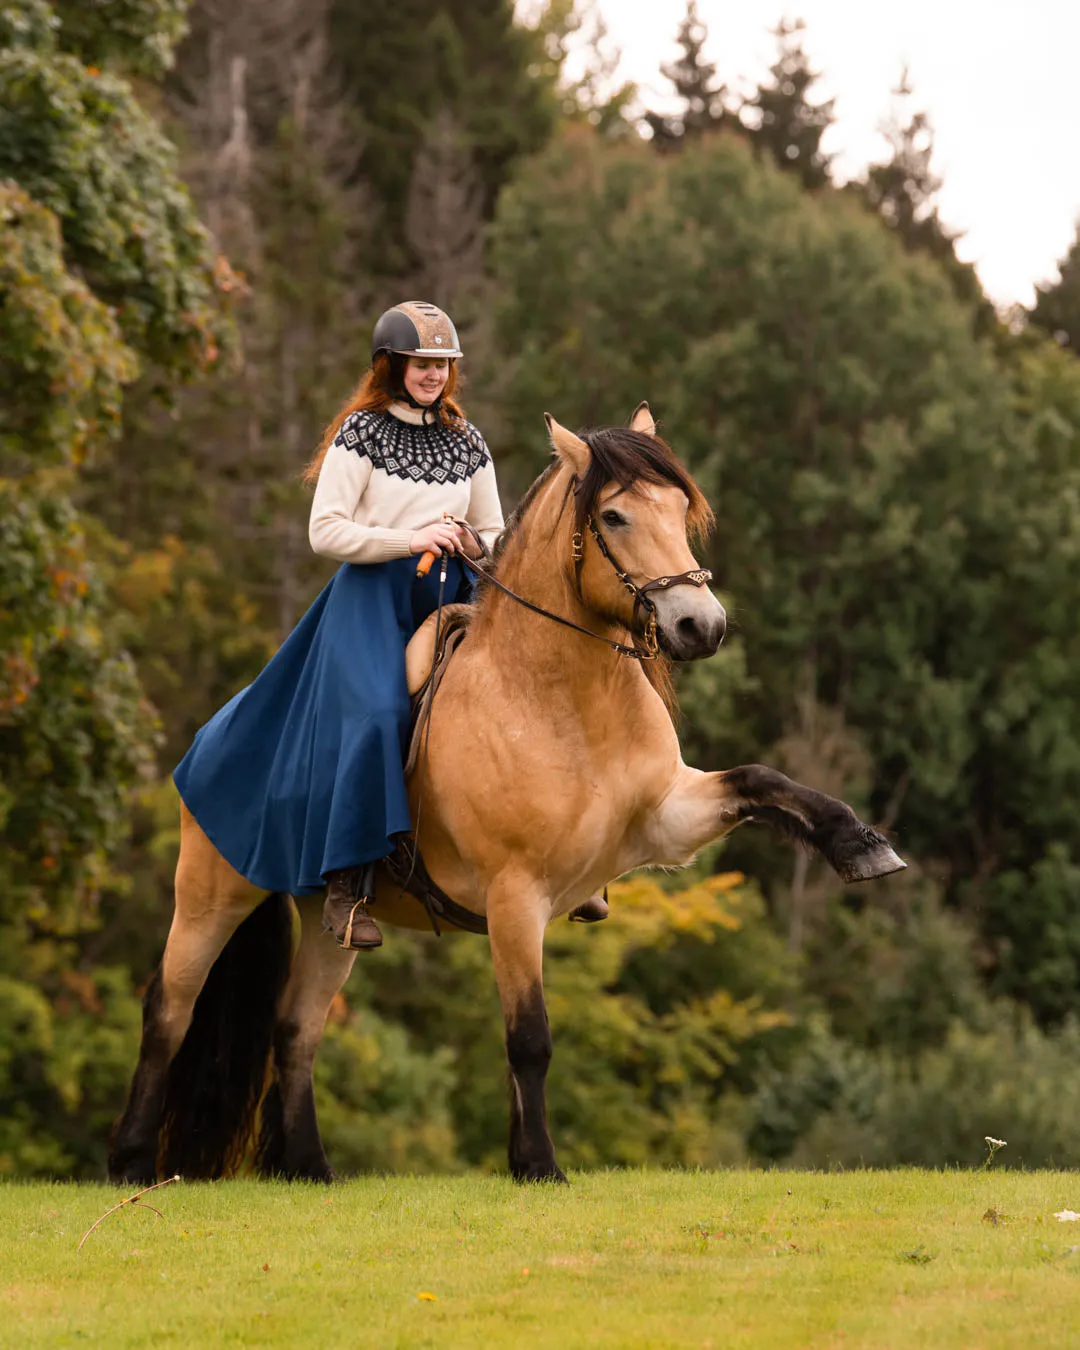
point(612, 518)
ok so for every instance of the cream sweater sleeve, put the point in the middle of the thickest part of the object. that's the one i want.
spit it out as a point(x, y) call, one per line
point(332, 531)
point(485, 513)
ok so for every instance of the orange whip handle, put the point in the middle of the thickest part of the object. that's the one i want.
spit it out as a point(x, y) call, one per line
point(423, 567)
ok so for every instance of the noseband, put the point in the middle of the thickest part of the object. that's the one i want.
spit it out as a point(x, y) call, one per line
point(643, 605)
point(699, 576)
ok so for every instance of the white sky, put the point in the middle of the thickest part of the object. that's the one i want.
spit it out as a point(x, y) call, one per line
point(997, 77)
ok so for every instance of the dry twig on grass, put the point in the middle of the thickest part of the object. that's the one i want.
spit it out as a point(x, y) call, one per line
point(131, 1200)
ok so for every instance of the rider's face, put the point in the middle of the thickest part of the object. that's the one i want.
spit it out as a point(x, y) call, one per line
point(426, 376)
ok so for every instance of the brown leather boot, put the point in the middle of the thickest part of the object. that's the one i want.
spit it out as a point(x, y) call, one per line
point(594, 910)
point(349, 891)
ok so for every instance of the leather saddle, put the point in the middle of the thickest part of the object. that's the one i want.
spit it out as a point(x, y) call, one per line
point(426, 658)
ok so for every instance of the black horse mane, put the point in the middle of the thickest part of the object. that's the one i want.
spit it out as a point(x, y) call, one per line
point(618, 455)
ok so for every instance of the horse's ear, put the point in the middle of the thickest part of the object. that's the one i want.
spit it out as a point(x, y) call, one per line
point(571, 449)
point(642, 420)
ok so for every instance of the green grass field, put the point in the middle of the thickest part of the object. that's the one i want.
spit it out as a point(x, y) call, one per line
point(725, 1260)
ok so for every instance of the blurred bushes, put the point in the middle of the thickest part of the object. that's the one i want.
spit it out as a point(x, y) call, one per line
point(838, 1105)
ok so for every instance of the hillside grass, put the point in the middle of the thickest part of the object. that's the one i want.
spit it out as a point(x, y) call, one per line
point(645, 1259)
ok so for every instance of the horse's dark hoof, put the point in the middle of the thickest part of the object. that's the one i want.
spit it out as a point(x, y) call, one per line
point(131, 1175)
point(542, 1172)
point(877, 861)
point(325, 1175)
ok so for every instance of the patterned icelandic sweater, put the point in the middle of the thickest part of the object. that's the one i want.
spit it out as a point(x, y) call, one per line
point(387, 475)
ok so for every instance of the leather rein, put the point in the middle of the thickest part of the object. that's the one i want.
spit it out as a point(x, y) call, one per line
point(698, 576)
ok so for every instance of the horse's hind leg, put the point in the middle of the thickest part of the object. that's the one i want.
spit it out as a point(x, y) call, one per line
point(208, 912)
point(516, 924)
point(290, 1145)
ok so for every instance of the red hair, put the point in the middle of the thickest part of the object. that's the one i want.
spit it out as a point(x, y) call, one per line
point(375, 393)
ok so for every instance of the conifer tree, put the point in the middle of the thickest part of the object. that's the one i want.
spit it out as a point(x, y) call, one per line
point(903, 190)
point(402, 62)
point(783, 121)
point(694, 78)
point(1057, 303)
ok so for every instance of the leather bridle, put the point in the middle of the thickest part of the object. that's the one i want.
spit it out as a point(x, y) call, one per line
point(644, 609)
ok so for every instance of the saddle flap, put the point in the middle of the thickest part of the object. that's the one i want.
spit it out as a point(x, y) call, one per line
point(420, 654)
point(430, 662)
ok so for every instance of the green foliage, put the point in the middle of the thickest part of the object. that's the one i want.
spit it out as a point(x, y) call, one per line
point(64, 1062)
point(383, 1104)
point(76, 141)
point(694, 79)
point(903, 191)
point(405, 61)
point(105, 271)
point(784, 123)
point(898, 512)
point(1057, 303)
point(841, 1106)
point(63, 362)
point(138, 35)
point(74, 730)
point(895, 976)
point(28, 23)
point(1035, 919)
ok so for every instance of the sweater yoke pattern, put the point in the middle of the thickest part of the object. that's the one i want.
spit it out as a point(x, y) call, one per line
point(431, 453)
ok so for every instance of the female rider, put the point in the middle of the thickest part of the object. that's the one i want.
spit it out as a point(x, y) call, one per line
point(299, 780)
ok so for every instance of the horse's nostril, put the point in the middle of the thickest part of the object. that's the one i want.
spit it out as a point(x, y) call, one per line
point(687, 627)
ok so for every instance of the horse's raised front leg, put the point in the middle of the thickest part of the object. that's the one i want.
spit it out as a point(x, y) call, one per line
point(290, 1145)
point(705, 806)
point(516, 922)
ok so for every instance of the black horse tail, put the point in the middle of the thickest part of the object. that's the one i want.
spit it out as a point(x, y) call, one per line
point(219, 1075)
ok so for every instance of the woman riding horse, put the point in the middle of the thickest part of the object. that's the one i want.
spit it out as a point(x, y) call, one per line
point(551, 766)
point(299, 780)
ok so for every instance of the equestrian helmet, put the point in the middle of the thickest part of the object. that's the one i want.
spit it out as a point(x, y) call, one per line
point(415, 328)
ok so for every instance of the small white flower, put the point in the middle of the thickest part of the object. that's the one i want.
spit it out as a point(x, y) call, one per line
point(995, 1143)
point(1067, 1216)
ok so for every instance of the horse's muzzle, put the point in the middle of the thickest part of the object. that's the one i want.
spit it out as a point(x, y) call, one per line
point(690, 626)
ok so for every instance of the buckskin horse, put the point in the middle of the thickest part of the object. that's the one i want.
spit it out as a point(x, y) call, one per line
point(551, 766)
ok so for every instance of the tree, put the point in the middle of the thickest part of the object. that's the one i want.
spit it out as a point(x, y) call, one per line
point(105, 274)
point(898, 507)
point(903, 190)
point(593, 93)
point(1057, 303)
point(403, 63)
point(702, 98)
point(444, 219)
point(783, 122)
point(214, 573)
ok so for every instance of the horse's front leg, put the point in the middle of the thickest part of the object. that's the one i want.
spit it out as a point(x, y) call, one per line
point(290, 1145)
point(702, 807)
point(517, 917)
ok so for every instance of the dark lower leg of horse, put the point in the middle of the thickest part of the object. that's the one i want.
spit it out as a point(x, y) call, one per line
point(289, 1142)
point(528, 1050)
point(133, 1147)
point(290, 1145)
point(830, 827)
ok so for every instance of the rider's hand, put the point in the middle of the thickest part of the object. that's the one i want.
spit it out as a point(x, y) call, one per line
point(467, 544)
point(435, 538)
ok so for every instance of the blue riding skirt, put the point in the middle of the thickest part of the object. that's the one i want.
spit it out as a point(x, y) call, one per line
point(302, 772)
